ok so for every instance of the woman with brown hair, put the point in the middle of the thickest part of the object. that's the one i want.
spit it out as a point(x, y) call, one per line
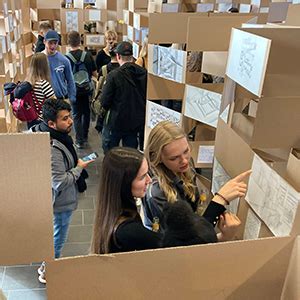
point(118, 226)
point(39, 78)
point(169, 157)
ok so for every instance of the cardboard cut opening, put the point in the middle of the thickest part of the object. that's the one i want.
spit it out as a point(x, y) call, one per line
point(216, 271)
point(26, 199)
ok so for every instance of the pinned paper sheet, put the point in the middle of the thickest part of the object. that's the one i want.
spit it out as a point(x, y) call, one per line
point(220, 177)
point(252, 226)
point(247, 60)
point(273, 199)
point(205, 154)
point(94, 15)
point(169, 63)
point(157, 113)
point(202, 105)
point(71, 21)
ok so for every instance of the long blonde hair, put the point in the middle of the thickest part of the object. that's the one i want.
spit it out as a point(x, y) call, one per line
point(144, 49)
point(39, 68)
point(161, 135)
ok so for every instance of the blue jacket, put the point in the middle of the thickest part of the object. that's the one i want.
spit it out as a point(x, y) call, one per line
point(62, 77)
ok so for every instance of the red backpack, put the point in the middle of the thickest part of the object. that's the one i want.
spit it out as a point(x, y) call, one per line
point(22, 102)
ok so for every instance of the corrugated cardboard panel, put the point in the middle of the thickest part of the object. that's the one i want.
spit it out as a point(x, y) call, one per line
point(292, 17)
point(162, 27)
point(213, 33)
point(291, 289)
point(233, 270)
point(26, 230)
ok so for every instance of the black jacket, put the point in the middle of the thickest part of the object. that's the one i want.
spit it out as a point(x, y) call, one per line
point(124, 94)
point(40, 46)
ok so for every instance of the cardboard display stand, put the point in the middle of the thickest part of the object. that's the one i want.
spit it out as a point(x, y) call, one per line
point(233, 270)
point(26, 229)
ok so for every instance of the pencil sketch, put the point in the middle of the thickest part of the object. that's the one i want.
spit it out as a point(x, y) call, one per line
point(130, 33)
point(169, 63)
point(71, 21)
point(95, 39)
point(219, 178)
point(157, 113)
point(247, 60)
point(272, 198)
point(205, 154)
point(202, 105)
point(135, 50)
point(252, 226)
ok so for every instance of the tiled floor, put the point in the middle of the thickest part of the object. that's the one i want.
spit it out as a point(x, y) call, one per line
point(21, 282)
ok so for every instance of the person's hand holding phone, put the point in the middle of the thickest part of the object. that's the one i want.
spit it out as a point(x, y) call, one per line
point(85, 161)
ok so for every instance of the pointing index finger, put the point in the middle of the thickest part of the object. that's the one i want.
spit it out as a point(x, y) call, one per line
point(242, 176)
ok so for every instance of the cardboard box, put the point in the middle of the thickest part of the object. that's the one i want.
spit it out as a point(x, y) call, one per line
point(24, 216)
point(134, 5)
point(71, 19)
point(259, 273)
point(52, 4)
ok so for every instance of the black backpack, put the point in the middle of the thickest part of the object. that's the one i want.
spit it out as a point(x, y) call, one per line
point(82, 79)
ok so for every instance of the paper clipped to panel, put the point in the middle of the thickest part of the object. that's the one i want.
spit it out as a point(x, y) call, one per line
point(168, 63)
point(247, 60)
point(71, 21)
point(219, 178)
point(252, 226)
point(205, 154)
point(157, 113)
point(272, 198)
point(202, 105)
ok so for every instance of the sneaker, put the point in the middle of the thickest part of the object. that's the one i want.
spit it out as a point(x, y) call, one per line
point(42, 278)
point(78, 145)
point(42, 268)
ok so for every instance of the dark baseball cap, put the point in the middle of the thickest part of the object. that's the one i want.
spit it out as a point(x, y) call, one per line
point(124, 48)
point(51, 35)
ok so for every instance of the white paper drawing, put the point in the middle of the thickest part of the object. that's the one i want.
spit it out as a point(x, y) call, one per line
point(247, 60)
point(202, 105)
point(252, 226)
point(94, 15)
point(205, 154)
point(157, 113)
point(169, 63)
point(130, 32)
point(71, 21)
point(219, 178)
point(135, 50)
point(272, 198)
point(95, 39)
point(205, 7)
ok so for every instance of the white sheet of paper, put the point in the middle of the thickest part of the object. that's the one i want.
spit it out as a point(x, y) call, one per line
point(71, 21)
point(272, 198)
point(94, 15)
point(95, 39)
point(202, 105)
point(157, 113)
point(169, 63)
point(205, 154)
point(252, 226)
point(135, 50)
point(247, 60)
point(130, 32)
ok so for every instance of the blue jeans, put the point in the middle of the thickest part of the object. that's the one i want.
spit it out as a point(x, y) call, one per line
point(61, 222)
point(111, 139)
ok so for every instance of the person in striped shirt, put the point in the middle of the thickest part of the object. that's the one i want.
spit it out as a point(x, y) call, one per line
point(39, 77)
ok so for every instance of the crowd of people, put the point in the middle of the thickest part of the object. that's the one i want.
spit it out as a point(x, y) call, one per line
point(147, 199)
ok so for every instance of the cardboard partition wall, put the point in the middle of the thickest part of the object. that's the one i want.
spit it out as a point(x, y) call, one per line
point(161, 27)
point(26, 229)
point(213, 33)
point(274, 125)
point(214, 63)
point(233, 270)
point(292, 17)
point(291, 288)
point(293, 169)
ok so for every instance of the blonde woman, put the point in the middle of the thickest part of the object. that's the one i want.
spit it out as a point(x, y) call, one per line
point(169, 157)
point(39, 78)
point(142, 60)
point(103, 57)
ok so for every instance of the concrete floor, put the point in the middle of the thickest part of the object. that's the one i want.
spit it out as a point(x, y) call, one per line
point(21, 282)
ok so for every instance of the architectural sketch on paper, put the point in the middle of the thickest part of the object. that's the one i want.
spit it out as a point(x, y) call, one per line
point(247, 60)
point(95, 39)
point(205, 154)
point(272, 198)
point(169, 63)
point(252, 226)
point(219, 178)
point(157, 113)
point(202, 105)
point(71, 21)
